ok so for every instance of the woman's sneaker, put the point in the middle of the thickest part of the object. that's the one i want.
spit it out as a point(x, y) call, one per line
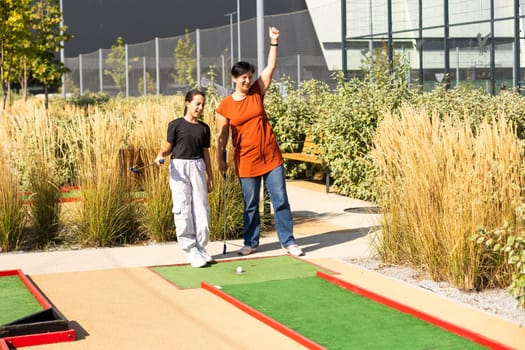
point(247, 250)
point(195, 258)
point(294, 250)
point(207, 257)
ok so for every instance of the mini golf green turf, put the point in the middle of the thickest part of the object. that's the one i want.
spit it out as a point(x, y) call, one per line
point(339, 319)
point(15, 300)
point(225, 272)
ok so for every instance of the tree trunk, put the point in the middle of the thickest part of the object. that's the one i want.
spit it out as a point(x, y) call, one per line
point(23, 83)
point(7, 101)
point(46, 103)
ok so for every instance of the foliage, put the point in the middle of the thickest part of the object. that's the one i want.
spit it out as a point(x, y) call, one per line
point(184, 55)
point(14, 41)
point(46, 41)
point(30, 35)
point(437, 181)
point(156, 216)
point(226, 203)
point(147, 86)
point(292, 112)
point(507, 243)
point(35, 136)
point(117, 65)
point(106, 214)
point(12, 215)
point(88, 99)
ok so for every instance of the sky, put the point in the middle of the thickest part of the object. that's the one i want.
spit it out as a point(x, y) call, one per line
point(97, 24)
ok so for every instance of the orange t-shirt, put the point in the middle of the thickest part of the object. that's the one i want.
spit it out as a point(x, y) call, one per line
point(256, 151)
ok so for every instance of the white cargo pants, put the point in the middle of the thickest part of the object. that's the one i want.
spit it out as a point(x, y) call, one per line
point(189, 192)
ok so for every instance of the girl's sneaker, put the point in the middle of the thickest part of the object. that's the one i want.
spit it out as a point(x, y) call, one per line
point(195, 258)
point(207, 257)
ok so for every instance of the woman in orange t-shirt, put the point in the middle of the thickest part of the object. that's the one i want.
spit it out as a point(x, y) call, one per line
point(256, 151)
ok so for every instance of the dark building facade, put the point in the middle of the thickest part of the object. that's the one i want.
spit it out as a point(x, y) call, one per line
point(97, 24)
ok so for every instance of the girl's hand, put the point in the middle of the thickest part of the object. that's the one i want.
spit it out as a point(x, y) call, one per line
point(210, 185)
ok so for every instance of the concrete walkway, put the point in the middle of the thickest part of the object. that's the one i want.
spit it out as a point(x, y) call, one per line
point(322, 228)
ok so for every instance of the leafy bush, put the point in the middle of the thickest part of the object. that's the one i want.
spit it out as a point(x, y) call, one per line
point(507, 244)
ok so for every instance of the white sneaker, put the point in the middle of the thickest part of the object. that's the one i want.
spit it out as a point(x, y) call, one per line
point(205, 255)
point(195, 258)
point(294, 250)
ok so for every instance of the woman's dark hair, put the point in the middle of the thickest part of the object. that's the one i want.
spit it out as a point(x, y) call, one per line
point(190, 95)
point(241, 68)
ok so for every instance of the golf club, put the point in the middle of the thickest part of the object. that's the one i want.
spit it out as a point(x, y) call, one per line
point(136, 170)
point(224, 207)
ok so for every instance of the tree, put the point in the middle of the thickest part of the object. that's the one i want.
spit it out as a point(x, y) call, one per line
point(15, 38)
point(30, 36)
point(150, 87)
point(185, 61)
point(48, 35)
point(116, 62)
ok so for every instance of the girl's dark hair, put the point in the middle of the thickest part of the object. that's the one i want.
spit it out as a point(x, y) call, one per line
point(241, 68)
point(190, 95)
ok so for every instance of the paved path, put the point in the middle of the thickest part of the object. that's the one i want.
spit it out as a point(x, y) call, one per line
point(322, 228)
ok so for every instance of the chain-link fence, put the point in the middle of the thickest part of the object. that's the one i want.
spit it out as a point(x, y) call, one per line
point(461, 42)
point(152, 66)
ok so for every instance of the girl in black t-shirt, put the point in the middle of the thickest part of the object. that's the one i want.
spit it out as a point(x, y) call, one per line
point(191, 179)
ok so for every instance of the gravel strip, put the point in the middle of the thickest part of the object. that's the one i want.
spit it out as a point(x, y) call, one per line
point(497, 302)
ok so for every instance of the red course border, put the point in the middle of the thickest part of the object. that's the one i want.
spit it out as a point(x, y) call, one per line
point(40, 338)
point(465, 333)
point(310, 344)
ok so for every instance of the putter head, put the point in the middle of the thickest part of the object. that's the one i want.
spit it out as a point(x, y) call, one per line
point(134, 170)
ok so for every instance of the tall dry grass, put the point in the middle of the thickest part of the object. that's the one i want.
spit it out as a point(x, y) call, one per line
point(438, 181)
point(12, 214)
point(107, 213)
point(93, 147)
point(35, 136)
point(149, 134)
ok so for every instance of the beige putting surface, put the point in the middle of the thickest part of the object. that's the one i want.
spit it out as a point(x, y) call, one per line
point(113, 301)
point(136, 309)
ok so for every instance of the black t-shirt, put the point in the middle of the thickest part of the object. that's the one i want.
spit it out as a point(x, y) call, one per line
point(188, 139)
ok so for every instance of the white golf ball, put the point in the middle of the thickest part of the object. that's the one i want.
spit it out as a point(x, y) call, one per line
point(239, 269)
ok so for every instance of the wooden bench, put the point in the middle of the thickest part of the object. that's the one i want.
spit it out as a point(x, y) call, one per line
point(310, 154)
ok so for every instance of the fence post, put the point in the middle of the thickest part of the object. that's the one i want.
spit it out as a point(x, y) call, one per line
point(198, 44)
point(516, 70)
point(157, 68)
point(100, 71)
point(126, 69)
point(144, 75)
point(81, 80)
point(298, 70)
point(457, 66)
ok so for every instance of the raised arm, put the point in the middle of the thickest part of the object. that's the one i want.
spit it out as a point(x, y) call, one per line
point(266, 75)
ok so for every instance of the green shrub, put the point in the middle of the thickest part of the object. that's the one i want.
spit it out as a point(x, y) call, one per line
point(507, 244)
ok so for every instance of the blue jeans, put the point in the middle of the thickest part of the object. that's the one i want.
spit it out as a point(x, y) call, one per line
point(276, 186)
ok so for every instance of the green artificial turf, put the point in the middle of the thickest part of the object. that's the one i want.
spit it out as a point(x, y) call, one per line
point(339, 319)
point(224, 273)
point(15, 300)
